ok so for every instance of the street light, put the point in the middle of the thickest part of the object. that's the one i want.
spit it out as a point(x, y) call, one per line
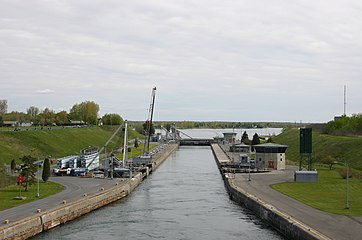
point(347, 204)
point(37, 174)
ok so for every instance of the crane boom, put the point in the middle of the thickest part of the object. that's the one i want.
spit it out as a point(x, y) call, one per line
point(105, 145)
point(149, 120)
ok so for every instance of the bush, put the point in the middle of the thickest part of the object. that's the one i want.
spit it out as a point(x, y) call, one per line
point(343, 172)
point(46, 170)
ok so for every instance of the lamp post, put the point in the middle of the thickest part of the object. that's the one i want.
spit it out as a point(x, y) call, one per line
point(37, 174)
point(249, 178)
point(347, 176)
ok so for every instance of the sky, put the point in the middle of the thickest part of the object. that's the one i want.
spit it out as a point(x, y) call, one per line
point(211, 60)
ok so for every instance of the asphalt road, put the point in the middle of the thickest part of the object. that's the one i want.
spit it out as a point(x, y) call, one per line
point(75, 187)
point(331, 225)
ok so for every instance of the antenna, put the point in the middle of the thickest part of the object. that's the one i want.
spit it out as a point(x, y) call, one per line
point(344, 103)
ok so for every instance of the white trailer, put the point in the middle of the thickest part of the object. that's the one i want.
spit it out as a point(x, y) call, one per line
point(65, 161)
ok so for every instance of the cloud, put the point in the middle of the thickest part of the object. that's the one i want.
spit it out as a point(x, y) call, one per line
point(45, 91)
point(229, 54)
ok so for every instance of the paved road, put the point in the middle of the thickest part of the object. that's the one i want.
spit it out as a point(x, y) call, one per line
point(75, 188)
point(331, 225)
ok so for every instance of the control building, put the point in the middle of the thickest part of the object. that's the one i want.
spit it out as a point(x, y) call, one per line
point(270, 156)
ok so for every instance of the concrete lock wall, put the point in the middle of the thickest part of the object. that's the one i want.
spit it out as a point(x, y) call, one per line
point(22, 229)
point(43, 221)
point(286, 225)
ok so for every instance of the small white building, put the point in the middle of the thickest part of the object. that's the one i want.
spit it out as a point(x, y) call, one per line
point(230, 137)
point(270, 156)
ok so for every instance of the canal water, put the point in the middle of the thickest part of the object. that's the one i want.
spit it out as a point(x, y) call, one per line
point(184, 198)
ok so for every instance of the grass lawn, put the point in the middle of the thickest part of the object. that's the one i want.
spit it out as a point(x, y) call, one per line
point(328, 194)
point(8, 193)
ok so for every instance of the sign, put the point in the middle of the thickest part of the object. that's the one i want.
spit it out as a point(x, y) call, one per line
point(20, 179)
point(305, 140)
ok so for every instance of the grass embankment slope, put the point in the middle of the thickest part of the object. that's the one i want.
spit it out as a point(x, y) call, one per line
point(329, 193)
point(347, 148)
point(57, 143)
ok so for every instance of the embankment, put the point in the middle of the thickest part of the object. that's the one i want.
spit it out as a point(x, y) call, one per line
point(285, 224)
point(43, 221)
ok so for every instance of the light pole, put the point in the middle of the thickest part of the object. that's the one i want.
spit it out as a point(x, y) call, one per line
point(347, 204)
point(37, 174)
point(249, 179)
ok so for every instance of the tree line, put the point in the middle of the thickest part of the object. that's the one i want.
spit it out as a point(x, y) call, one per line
point(82, 113)
point(221, 125)
point(345, 125)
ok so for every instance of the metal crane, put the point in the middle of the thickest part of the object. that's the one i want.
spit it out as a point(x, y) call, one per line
point(109, 140)
point(146, 147)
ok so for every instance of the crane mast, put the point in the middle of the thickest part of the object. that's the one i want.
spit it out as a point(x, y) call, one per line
point(146, 147)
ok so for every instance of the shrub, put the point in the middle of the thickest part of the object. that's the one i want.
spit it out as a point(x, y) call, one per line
point(343, 172)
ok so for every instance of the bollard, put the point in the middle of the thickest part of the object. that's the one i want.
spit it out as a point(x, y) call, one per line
point(102, 189)
point(6, 221)
point(64, 201)
point(117, 184)
point(85, 194)
point(38, 210)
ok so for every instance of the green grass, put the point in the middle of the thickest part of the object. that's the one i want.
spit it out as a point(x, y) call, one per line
point(8, 193)
point(328, 194)
point(56, 143)
point(323, 144)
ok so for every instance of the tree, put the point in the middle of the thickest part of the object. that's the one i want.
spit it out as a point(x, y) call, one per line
point(13, 166)
point(61, 118)
point(136, 143)
point(256, 139)
point(245, 138)
point(148, 126)
point(32, 113)
point(47, 117)
point(28, 170)
point(3, 106)
point(46, 170)
point(1, 121)
point(112, 119)
point(85, 111)
point(330, 161)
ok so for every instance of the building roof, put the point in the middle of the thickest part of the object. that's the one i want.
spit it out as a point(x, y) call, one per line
point(270, 145)
point(270, 148)
point(242, 145)
point(230, 133)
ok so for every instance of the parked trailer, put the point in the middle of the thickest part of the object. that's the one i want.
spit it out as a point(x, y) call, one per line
point(64, 161)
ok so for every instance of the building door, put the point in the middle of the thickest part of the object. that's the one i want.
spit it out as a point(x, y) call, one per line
point(271, 164)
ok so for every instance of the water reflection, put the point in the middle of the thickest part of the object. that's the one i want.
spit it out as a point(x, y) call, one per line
point(184, 199)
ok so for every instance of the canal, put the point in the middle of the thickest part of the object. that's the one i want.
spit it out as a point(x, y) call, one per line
point(184, 198)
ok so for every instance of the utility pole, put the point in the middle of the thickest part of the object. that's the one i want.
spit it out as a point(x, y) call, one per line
point(125, 145)
point(344, 102)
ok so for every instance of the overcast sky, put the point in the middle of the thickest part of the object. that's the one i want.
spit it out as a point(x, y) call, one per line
point(211, 60)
